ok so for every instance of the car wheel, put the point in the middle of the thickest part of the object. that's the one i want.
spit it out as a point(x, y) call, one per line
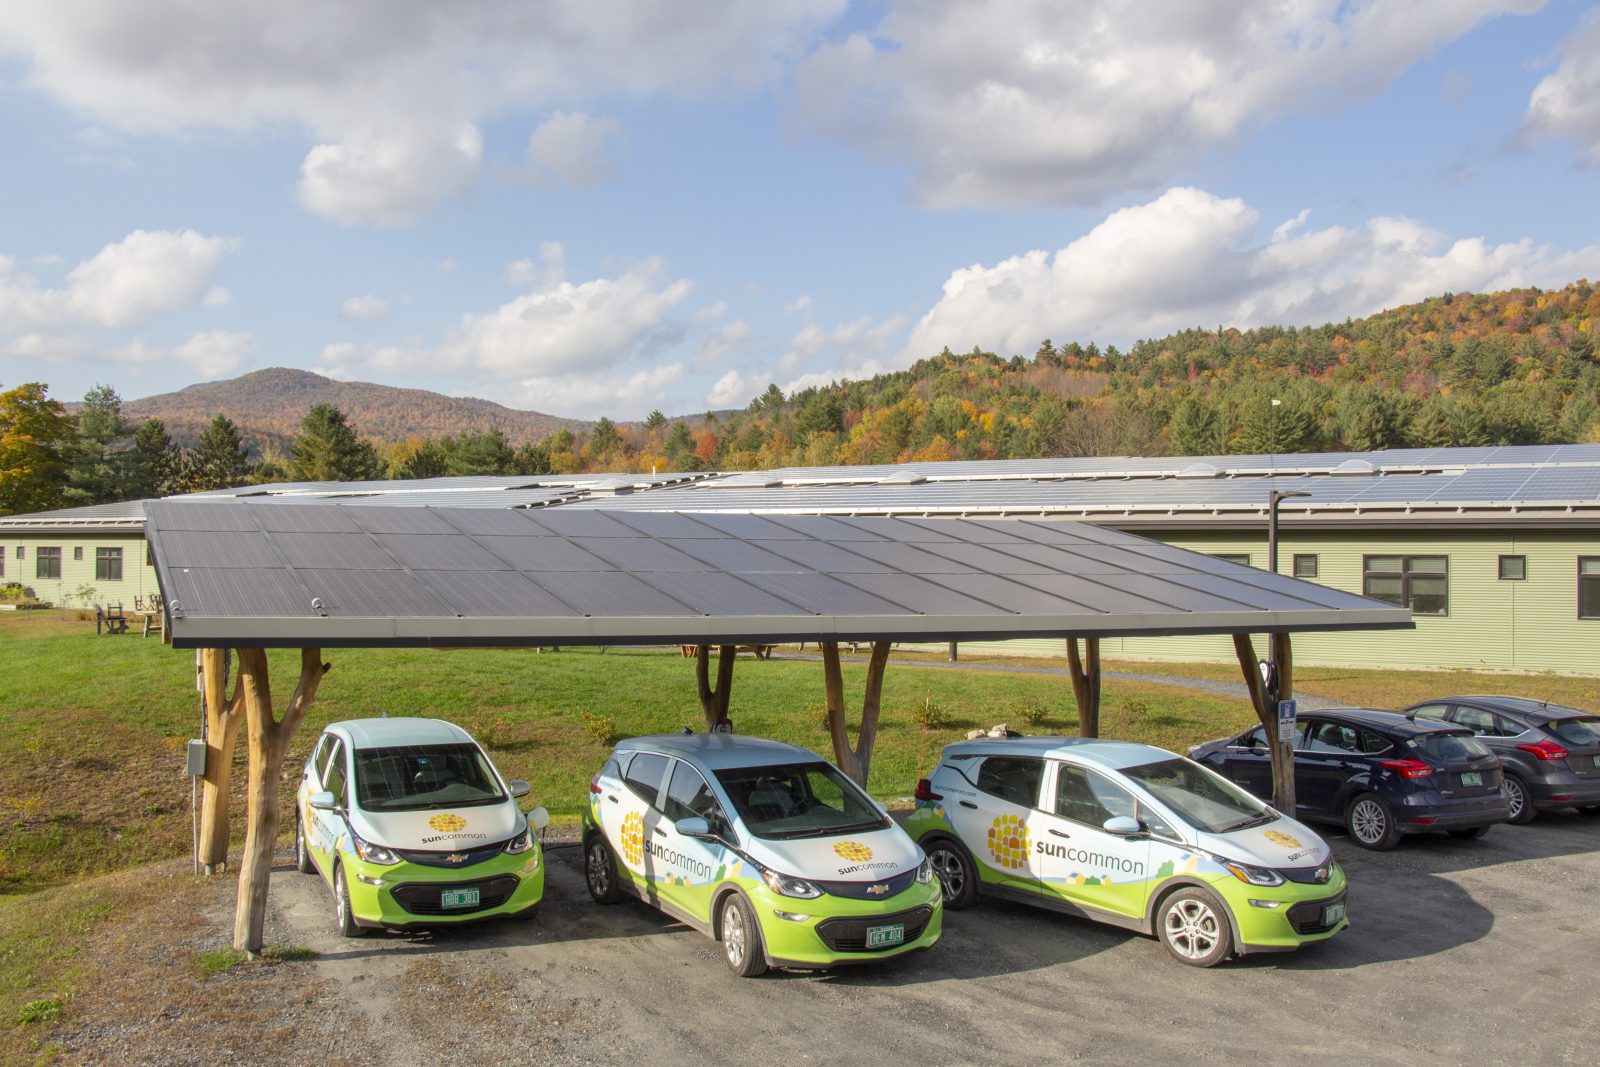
point(1470, 833)
point(741, 938)
point(1371, 823)
point(1193, 924)
point(1516, 791)
point(957, 874)
point(600, 870)
point(302, 855)
point(344, 917)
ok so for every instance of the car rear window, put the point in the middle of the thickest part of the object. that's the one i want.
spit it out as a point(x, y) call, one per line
point(1445, 748)
point(1576, 731)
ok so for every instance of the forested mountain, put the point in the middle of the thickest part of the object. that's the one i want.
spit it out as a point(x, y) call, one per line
point(267, 406)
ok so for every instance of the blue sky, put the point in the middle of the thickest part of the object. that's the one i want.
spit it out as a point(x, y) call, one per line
point(592, 208)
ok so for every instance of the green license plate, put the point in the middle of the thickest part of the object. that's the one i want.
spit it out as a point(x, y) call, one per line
point(1332, 914)
point(459, 898)
point(878, 936)
point(1472, 778)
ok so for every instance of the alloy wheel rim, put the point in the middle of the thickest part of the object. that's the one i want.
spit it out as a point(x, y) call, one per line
point(342, 900)
point(733, 935)
point(1192, 928)
point(1368, 821)
point(948, 867)
point(1515, 797)
point(599, 877)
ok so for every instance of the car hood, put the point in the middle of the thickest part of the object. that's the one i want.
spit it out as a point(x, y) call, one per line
point(439, 829)
point(861, 857)
point(1278, 844)
point(1206, 748)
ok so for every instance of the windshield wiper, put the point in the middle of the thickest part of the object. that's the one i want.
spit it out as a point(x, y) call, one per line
point(1245, 823)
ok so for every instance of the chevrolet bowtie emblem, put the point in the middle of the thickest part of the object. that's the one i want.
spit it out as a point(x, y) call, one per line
point(456, 858)
point(877, 890)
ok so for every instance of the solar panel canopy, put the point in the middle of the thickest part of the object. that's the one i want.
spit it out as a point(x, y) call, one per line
point(330, 575)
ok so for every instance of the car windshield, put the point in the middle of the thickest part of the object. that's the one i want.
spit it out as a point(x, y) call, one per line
point(1206, 801)
point(1449, 748)
point(1582, 732)
point(413, 777)
point(799, 800)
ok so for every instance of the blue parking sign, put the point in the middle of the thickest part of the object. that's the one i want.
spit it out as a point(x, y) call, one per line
point(1286, 713)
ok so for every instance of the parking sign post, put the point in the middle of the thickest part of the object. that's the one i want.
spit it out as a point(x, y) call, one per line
point(1286, 721)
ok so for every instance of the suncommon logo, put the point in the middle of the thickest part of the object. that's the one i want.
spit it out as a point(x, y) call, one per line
point(448, 823)
point(854, 851)
point(1279, 838)
point(633, 839)
point(1008, 842)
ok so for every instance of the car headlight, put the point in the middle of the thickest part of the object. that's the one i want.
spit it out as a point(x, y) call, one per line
point(383, 857)
point(790, 887)
point(925, 872)
point(1253, 875)
point(520, 844)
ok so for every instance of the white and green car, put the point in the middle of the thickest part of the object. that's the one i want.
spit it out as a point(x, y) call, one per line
point(1130, 835)
point(765, 847)
point(411, 825)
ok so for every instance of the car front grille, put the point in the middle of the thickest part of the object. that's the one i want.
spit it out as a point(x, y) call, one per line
point(422, 898)
point(452, 860)
point(870, 890)
point(1306, 918)
point(850, 935)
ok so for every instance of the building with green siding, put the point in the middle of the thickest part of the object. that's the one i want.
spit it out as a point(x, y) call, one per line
point(1495, 550)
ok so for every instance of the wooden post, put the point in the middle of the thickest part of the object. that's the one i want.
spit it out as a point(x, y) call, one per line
point(269, 741)
point(855, 762)
point(714, 702)
point(1086, 683)
point(224, 716)
point(1282, 751)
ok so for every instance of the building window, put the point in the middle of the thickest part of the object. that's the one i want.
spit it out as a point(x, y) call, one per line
point(77, 553)
point(22, 551)
point(1305, 565)
point(1513, 568)
point(1589, 587)
point(1241, 558)
point(47, 563)
point(108, 564)
point(2, 563)
point(1421, 583)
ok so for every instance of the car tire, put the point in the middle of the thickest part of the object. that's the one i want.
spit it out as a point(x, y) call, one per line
point(302, 855)
point(1470, 833)
point(957, 873)
point(1516, 791)
point(742, 949)
point(1370, 823)
point(600, 870)
point(1193, 923)
point(344, 917)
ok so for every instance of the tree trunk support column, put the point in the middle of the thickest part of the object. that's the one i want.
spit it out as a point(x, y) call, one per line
point(1086, 683)
point(224, 716)
point(856, 762)
point(1282, 751)
point(269, 742)
point(714, 702)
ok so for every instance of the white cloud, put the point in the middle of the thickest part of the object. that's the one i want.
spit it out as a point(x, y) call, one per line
point(211, 354)
point(390, 177)
point(639, 391)
point(852, 350)
point(1190, 258)
point(732, 390)
point(364, 308)
point(799, 305)
point(551, 268)
point(715, 345)
point(1008, 102)
point(216, 297)
point(1567, 103)
point(445, 266)
point(125, 283)
point(571, 148)
point(50, 349)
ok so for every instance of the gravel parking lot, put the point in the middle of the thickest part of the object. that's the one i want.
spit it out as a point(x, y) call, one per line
point(1459, 952)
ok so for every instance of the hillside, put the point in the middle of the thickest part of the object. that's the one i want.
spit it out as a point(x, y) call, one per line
point(267, 406)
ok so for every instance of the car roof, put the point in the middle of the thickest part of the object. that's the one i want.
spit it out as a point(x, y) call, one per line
point(1519, 706)
point(1114, 755)
point(1393, 721)
point(719, 751)
point(400, 730)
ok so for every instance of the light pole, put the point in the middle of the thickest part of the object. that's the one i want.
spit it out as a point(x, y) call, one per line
point(1274, 498)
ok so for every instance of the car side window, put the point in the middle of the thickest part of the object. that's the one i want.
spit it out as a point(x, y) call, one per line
point(644, 774)
point(1090, 798)
point(689, 796)
point(324, 747)
point(1256, 738)
point(1015, 779)
point(1372, 744)
point(333, 777)
point(1476, 720)
point(1335, 737)
point(1431, 711)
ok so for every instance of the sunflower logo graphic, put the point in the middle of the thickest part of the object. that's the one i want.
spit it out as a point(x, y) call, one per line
point(854, 851)
point(1283, 839)
point(633, 839)
point(447, 824)
point(1008, 842)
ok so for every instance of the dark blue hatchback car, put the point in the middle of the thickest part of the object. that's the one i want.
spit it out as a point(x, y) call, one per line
point(1377, 773)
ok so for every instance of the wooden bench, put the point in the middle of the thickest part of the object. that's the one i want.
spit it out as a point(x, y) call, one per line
point(110, 620)
point(760, 651)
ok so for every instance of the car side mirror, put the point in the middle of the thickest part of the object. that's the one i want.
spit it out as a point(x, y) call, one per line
point(519, 788)
point(324, 801)
point(696, 827)
point(1123, 826)
point(538, 818)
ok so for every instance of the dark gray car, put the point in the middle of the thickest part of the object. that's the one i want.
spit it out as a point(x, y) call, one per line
point(1551, 753)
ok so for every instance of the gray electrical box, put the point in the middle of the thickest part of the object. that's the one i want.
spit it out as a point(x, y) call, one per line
point(195, 762)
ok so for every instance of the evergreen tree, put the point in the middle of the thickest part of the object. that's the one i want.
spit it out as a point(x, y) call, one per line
point(98, 457)
point(1197, 429)
point(219, 461)
point(328, 450)
point(603, 436)
point(154, 463)
point(655, 420)
point(478, 453)
point(428, 461)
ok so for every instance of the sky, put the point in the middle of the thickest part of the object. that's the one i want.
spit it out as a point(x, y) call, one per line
point(590, 207)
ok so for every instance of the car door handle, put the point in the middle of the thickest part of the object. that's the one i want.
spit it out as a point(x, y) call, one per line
point(660, 832)
point(1060, 833)
point(969, 804)
point(611, 798)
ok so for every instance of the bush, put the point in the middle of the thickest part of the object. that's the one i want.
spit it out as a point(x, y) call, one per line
point(1032, 712)
point(935, 717)
point(16, 593)
point(601, 728)
point(38, 1011)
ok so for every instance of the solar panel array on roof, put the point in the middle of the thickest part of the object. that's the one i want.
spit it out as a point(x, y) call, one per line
point(431, 576)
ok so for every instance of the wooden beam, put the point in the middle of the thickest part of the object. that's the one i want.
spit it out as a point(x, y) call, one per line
point(1085, 673)
point(269, 743)
point(224, 716)
point(855, 762)
point(714, 702)
point(1282, 751)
